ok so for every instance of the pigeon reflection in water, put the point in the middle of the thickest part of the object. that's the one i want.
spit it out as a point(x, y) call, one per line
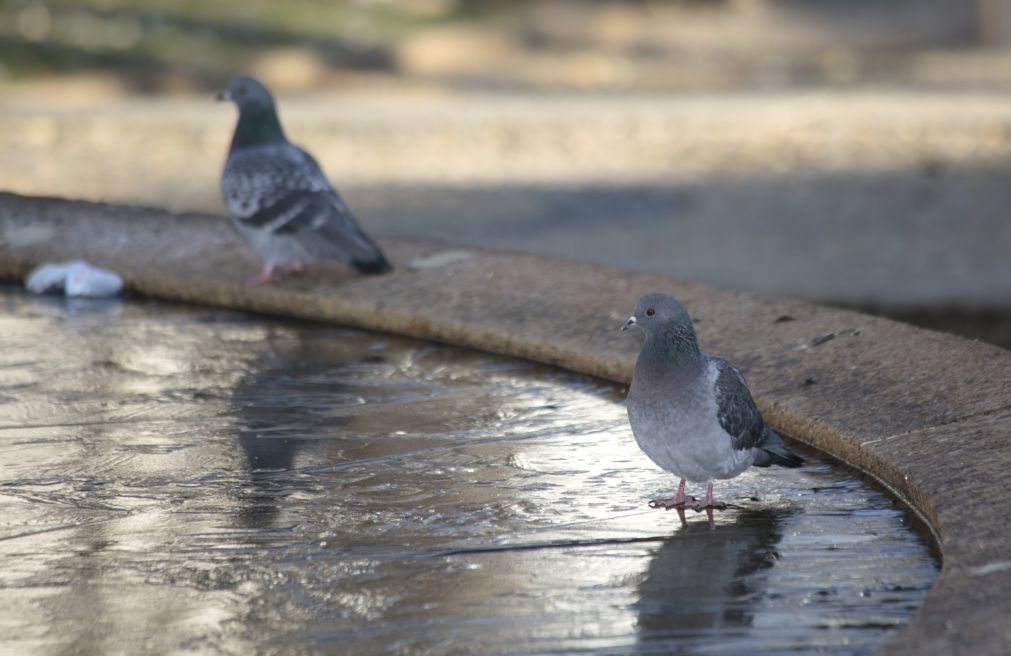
point(285, 406)
point(703, 582)
point(322, 397)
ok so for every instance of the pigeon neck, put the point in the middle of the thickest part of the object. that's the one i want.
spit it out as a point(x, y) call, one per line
point(675, 347)
point(257, 126)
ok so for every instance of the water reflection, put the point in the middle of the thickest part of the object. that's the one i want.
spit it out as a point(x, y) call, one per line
point(278, 413)
point(703, 581)
point(189, 480)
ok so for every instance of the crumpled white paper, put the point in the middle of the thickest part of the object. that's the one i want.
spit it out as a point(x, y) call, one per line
point(76, 278)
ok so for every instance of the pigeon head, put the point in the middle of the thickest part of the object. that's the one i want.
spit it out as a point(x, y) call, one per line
point(665, 322)
point(258, 122)
point(247, 92)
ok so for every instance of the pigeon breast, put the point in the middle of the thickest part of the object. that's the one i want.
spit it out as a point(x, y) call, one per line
point(673, 412)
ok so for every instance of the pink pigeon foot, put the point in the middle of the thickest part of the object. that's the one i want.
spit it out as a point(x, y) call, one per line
point(293, 267)
point(263, 277)
point(679, 500)
point(707, 503)
point(681, 515)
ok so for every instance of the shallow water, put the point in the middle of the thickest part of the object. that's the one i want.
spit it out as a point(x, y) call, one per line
point(182, 480)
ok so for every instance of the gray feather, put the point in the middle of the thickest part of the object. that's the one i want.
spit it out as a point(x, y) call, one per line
point(773, 452)
point(279, 198)
point(737, 412)
point(280, 190)
point(739, 417)
point(690, 412)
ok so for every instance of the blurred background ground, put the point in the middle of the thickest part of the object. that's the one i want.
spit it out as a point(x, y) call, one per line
point(846, 151)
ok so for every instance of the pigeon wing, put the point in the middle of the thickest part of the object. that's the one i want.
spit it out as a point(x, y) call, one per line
point(323, 224)
point(256, 179)
point(283, 191)
point(736, 410)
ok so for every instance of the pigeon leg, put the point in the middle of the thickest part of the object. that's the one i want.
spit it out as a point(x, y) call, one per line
point(679, 500)
point(708, 502)
point(263, 277)
point(709, 518)
point(293, 267)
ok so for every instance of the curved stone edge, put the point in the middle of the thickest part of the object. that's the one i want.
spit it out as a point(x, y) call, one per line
point(927, 414)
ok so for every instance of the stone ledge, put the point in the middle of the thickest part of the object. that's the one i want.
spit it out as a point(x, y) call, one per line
point(926, 413)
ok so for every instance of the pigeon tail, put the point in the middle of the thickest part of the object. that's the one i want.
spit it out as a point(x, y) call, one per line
point(774, 452)
point(378, 264)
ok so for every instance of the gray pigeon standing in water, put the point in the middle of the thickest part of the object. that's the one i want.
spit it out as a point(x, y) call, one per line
point(691, 412)
point(279, 199)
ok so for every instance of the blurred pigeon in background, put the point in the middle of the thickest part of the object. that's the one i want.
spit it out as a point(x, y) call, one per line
point(691, 412)
point(280, 200)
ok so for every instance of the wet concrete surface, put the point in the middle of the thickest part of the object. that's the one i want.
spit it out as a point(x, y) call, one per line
point(187, 480)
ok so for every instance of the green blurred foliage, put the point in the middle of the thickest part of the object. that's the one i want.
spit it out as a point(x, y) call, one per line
point(201, 40)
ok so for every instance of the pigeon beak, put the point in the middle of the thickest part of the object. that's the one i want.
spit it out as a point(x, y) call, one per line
point(224, 95)
point(628, 324)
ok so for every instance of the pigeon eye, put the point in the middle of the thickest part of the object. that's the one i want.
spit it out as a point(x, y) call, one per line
point(650, 312)
point(241, 90)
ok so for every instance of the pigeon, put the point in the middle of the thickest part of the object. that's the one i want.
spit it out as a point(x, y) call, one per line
point(279, 199)
point(691, 412)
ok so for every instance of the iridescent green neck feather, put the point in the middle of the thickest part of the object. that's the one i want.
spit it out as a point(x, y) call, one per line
point(258, 125)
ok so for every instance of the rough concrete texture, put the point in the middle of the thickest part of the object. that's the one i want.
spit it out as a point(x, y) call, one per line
point(927, 413)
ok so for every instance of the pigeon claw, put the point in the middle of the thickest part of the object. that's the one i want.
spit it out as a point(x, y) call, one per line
point(715, 505)
point(260, 279)
point(673, 502)
point(267, 275)
point(688, 502)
